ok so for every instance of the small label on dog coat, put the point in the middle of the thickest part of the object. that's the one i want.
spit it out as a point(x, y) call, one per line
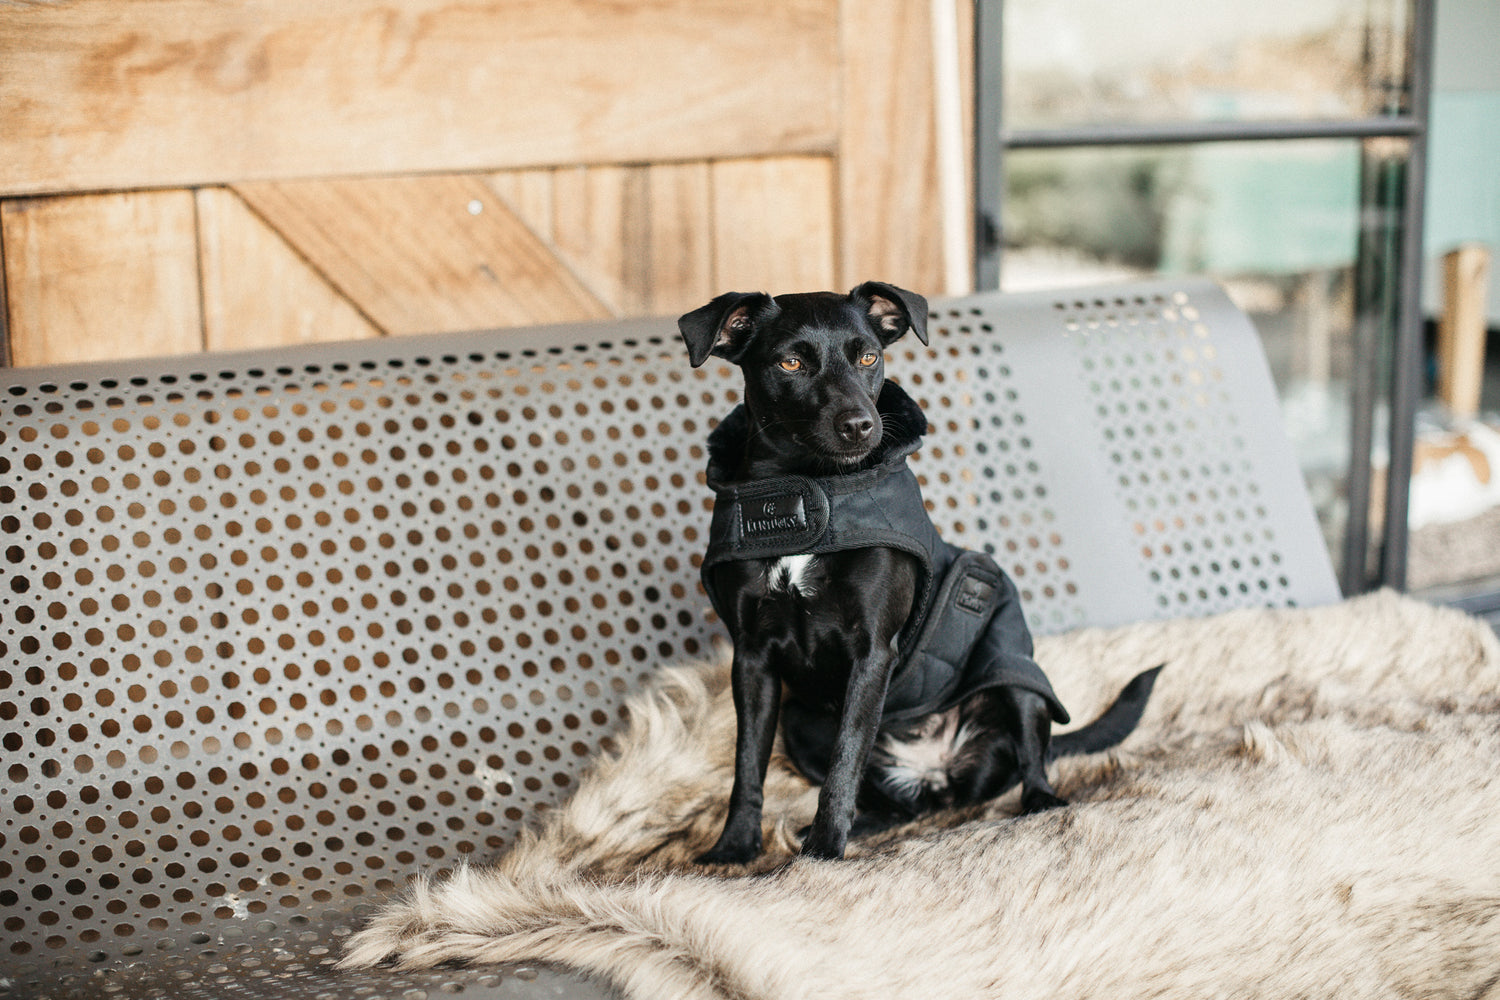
point(773, 515)
point(975, 595)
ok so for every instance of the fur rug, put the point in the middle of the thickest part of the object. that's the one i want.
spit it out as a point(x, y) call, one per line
point(1311, 806)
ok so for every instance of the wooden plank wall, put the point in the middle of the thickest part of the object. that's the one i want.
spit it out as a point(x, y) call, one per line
point(187, 175)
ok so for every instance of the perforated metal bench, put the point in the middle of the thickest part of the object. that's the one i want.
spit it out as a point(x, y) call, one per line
point(279, 629)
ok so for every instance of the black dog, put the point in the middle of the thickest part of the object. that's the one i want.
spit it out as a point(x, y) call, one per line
point(906, 661)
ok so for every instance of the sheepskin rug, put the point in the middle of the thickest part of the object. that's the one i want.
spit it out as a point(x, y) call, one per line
point(1310, 807)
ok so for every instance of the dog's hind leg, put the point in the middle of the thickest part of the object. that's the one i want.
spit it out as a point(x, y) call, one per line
point(1023, 725)
point(1032, 733)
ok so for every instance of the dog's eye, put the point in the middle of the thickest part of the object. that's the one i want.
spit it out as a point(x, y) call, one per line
point(868, 360)
point(790, 365)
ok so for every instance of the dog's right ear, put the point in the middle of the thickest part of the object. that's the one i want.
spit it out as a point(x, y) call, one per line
point(724, 326)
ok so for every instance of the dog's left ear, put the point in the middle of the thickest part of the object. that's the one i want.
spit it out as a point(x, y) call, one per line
point(724, 326)
point(894, 310)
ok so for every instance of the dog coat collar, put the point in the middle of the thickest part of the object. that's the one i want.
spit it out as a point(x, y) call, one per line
point(967, 631)
point(879, 504)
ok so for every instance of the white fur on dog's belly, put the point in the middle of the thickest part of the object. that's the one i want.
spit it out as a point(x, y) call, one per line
point(924, 759)
point(790, 573)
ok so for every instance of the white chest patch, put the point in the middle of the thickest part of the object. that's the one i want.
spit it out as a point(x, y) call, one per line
point(790, 573)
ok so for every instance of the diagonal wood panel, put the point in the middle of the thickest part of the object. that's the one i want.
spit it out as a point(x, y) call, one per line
point(640, 237)
point(587, 220)
point(530, 194)
point(104, 94)
point(256, 290)
point(643, 233)
point(424, 254)
point(95, 277)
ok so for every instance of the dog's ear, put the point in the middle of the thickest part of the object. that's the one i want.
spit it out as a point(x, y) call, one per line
point(724, 326)
point(894, 310)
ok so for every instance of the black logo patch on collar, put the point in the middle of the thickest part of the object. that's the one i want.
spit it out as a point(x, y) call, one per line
point(774, 515)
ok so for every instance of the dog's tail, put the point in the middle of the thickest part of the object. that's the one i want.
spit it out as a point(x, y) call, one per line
point(1114, 725)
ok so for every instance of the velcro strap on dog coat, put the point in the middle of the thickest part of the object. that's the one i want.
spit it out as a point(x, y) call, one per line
point(765, 518)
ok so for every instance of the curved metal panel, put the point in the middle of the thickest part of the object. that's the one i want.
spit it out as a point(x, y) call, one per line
point(280, 629)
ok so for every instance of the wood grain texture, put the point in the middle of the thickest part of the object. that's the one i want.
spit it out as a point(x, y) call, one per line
point(888, 186)
point(529, 194)
point(639, 237)
point(425, 254)
point(774, 225)
point(5, 357)
point(1461, 329)
point(592, 213)
point(257, 292)
point(680, 272)
point(97, 277)
point(100, 94)
point(643, 235)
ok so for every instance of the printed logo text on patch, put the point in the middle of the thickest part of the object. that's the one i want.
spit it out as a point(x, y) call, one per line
point(773, 515)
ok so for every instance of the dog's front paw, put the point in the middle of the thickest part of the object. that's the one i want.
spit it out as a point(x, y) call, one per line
point(730, 852)
point(827, 845)
point(1035, 800)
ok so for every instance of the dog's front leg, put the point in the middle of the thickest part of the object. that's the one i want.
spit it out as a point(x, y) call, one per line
point(757, 701)
point(851, 753)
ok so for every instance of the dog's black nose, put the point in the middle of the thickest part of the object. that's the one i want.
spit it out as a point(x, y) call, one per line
point(856, 428)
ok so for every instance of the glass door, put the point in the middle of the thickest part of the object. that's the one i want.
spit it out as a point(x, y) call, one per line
point(1277, 147)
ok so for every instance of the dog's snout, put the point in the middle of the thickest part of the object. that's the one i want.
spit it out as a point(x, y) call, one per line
point(856, 428)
